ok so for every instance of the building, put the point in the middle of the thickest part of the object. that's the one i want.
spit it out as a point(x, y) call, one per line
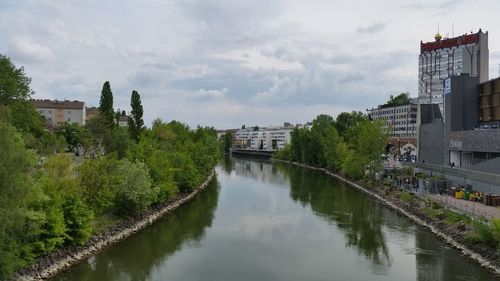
point(399, 120)
point(446, 57)
point(57, 112)
point(489, 104)
point(91, 112)
point(122, 121)
point(465, 144)
point(262, 138)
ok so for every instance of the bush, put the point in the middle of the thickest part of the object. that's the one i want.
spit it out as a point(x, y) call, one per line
point(78, 218)
point(406, 196)
point(482, 233)
point(133, 188)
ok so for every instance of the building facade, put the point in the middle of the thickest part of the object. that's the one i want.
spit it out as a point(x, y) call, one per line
point(489, 104)
point(399, 120)
point(58, 112)
point(446, 57)
point(262, 138)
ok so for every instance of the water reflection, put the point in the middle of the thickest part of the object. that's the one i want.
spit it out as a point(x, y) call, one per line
point(360, 217)
point(275, 222)
point(435, 261)
point(137, 257)
point(259, 170)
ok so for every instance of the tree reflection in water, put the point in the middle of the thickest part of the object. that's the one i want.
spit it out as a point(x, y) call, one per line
point(135, 259)
point(358, 216)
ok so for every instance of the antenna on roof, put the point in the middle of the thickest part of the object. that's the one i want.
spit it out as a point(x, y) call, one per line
point(452, 29)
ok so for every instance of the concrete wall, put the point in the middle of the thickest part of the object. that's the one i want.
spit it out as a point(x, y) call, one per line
point(430, 143)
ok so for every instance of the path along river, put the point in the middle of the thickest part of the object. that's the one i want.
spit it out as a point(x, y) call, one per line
point(264, 221)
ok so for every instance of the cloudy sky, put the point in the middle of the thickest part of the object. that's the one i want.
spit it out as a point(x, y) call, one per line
point(228, 63)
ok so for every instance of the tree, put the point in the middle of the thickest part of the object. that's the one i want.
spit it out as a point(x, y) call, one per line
point(346, 121)
point(74, 134)
point(14, 98)
point(399, 100)
point(133, 190)
point(106, 104)
point(227, 141)
point(135, 122)
point(370, 145)
point(14, 84)
point(16, 166)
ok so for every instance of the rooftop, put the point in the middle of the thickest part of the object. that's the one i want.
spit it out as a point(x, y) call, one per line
point(66, 104)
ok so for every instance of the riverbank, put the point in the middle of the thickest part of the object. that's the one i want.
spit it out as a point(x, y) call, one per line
point(64, 258)
point(485, 257)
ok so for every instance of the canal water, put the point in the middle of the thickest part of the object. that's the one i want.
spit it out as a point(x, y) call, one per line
point(264, 221)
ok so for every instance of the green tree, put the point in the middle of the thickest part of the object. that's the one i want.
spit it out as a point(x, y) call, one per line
point(227, 141)
point(78, 218)
point(399, 100)
point(14, 84)
point(16, 167)
point(97, 178)
point(371, 142)
point(133, 189)
point(74, 134)
point(106, 104)
point(135, 123)
point(346, 122)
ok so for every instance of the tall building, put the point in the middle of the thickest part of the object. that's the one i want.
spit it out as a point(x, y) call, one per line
point(446, 57)
point(57, 112)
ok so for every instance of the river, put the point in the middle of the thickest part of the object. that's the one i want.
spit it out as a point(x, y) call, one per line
point(263, 221)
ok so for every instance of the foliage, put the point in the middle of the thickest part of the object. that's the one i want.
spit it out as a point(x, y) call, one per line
point(106, 104)
point(50, 204)
point(133, 189)
point(78, 217)
point(16, 166)
point(97, 178)
point(399, 100)
point(227, 141)
point(482, 233)
point(284, 154)
point(346, 122)
point(406, 197)
point(117, 142)
point(351, 144)
point(74, 134)
point(14, 84)
point(135, 123)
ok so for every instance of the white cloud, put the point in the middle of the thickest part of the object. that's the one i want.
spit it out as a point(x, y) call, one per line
point(227, 63)
point(25, 49)
point(206, 95)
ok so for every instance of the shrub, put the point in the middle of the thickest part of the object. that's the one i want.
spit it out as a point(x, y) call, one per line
point(406, 196)
point(482, 233)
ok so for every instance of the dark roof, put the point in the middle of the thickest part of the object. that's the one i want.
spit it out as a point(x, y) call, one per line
point(66, 104)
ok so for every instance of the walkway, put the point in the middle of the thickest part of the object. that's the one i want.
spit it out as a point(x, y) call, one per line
point(475, 208)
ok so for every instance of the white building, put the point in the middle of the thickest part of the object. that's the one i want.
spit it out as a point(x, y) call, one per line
point(263, 138)
point(446, 57)
point(57, 112)
point(399, 120)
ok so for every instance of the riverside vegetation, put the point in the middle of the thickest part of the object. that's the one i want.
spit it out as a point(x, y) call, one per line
point(50, 199)
point(352, 146)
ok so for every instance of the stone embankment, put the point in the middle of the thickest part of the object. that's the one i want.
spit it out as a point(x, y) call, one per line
point(64, 258)
point(483, 256)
